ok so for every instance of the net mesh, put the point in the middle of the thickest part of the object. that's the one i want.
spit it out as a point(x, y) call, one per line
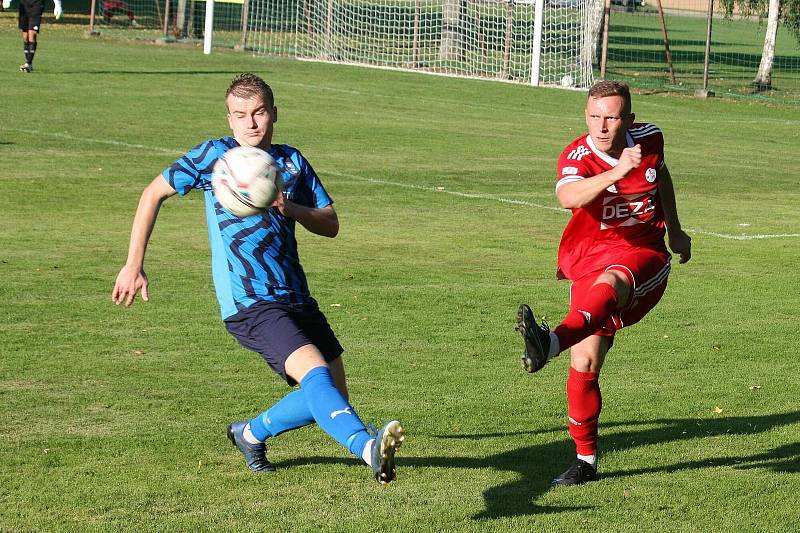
point(171, 20)
point(473, 38)
point(492, 39)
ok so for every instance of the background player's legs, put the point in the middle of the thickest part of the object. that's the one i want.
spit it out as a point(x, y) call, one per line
point(29, 38)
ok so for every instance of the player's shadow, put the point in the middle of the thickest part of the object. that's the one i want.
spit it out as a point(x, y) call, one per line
point(536, 465)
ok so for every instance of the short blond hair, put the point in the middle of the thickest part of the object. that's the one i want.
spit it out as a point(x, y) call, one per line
point(604, 88)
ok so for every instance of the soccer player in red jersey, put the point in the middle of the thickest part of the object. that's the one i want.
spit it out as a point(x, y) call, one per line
point(620, 192)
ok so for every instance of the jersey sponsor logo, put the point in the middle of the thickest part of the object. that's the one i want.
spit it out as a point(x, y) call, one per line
point(345, 411)
point(569, 171)
point(627, 210)
point(650, 175)
point(578, 153)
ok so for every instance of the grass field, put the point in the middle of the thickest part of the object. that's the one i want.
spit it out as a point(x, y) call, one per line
point(113, 419)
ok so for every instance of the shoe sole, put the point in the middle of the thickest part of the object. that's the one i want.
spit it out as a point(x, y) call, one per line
point(528, 362)
point(561, 482)
point(393, 437)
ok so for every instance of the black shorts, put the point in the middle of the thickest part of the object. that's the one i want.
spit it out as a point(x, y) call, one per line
point(276, 330)
point(30, 14)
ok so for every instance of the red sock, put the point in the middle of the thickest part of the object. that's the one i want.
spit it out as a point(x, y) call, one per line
point(587, 316)
point(584, 404)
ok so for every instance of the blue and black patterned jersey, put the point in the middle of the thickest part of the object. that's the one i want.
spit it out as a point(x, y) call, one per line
point(253, 258)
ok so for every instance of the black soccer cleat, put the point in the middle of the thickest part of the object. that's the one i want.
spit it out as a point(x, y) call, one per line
point(255, 455)
point(579, 473)
point(26, 67)
point(537, 339)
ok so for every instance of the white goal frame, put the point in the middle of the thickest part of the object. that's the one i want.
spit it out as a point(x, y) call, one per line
point(537, 42)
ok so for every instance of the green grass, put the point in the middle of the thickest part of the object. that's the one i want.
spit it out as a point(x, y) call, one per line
point(113, 419)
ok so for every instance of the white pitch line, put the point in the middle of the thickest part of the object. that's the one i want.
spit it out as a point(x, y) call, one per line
point(452, 193)
point(441, 190)
point(744, 237)
point(69, 137)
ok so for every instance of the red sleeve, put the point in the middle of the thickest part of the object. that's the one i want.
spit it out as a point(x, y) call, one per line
point(571, 167)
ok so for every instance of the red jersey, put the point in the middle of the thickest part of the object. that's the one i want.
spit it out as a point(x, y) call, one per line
point(626, 215)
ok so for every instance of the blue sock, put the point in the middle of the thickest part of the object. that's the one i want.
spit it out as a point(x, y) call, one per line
point(291, 412)
point(332, 412)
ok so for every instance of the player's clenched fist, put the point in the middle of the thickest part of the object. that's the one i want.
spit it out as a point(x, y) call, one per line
point(631, 158)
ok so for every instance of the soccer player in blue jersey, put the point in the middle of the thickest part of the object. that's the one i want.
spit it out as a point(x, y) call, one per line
point(261, 287)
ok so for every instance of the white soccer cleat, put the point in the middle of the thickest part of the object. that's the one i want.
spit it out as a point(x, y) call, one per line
point(387, 441)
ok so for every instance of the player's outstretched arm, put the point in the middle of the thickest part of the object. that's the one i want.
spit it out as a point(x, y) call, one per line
point(678, 240)
point(132, 278)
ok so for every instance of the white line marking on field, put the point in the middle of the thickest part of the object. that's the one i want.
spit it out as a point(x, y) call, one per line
point(445, 191)
point(744, 237)
point(438, 190)
point(69, 137)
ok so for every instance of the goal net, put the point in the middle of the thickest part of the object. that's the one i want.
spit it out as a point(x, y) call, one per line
point(496, 39)
point(171, 20)
point(540, 42)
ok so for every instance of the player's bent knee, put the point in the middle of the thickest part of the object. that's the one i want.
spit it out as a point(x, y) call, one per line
point(302, 360)
point(589, 354)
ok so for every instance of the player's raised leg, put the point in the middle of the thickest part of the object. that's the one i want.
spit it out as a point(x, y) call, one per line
point(334, 414)
point(594, 301)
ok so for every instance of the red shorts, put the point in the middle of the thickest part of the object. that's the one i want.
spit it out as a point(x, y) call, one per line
point(647, 271)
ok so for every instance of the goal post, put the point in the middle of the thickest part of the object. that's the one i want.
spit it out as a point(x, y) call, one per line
point(540, 42)
point(170, 20)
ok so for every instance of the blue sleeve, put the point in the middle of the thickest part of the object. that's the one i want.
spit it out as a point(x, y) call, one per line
point(320, 196)
point(193, 170)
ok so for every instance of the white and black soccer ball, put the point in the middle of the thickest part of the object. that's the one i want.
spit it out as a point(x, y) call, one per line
point(567, 81)
point(244, 180)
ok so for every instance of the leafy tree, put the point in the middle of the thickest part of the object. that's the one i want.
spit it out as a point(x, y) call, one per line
point(786, 11)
